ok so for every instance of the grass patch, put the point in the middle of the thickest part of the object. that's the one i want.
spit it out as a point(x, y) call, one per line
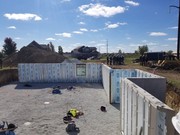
point(130, 57)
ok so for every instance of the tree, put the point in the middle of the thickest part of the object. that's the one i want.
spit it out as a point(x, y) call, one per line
point(136, 52)
point(143, 49)
point(9, 47)
point(169, 52)
point(1, 55)
point(1, 61)
point(120, 52)
point(51, 46)
point(60, 50)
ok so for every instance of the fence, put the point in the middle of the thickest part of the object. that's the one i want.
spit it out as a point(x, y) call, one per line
point(142, 113)
point(70, 72)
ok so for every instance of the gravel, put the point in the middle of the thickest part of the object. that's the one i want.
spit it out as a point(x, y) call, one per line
point(36, 111)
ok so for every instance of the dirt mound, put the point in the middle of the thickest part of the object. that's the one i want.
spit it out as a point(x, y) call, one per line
point(8, 75)
point(173, 97)
point(169, 64)
point(33, 54)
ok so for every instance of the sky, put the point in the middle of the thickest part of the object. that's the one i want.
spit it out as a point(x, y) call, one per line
point(122, 24)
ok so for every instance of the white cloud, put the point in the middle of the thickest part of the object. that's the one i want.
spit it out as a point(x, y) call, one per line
point(157, 34)
point(23, 17)
point(114, 25)
point(99, 10)
point(78, 32)
point(101, 44)
point(17, 38)
point(62, 1)
point(149, 43)
point(66, 35)
point(92, 42)
point(83, 29)
point(175, 27)
point(172, 39)
point(132, 3)
point(50, 39)
point(134, 45)
point(77, 44)
point(11, 27)
point(82, 23)
point(152, 44)
point(94, 30)
point(144, 41)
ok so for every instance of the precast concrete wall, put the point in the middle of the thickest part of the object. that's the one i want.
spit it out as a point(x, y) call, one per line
point(106, 80)
point(143, 114)
point(54, 72)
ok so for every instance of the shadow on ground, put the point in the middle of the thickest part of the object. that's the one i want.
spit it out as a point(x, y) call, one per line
point(117, 106)
point(34, 86)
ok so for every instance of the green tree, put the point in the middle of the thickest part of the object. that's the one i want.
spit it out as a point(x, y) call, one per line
point(169, 52)
point(120, 52)
point(1, 61)
point(9, 46)
point(136, 52)
point(51, 47)
point(60, 50)
point(1, 55)
point(142, 49)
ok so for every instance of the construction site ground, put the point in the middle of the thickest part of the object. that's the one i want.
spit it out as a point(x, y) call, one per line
point(35, 110)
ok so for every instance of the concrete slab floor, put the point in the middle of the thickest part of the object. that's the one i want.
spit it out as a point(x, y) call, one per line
point(44, 111)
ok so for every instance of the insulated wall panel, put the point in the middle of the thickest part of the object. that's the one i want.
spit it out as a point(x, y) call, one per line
point(106, 79)
point(143, 74)
point(147, 114)
point(55, 72)
point(116, 76)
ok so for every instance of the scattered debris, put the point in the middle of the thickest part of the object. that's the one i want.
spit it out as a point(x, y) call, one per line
point(2, 125)
point(56, 91)
point(71, 127)
point(11, 127)
point(67, 119)
point(57, 87)
point(71, 88)
point(74, 113)
point(103, 109)
point(46, 103)
point(27, 123)
point(7, 129)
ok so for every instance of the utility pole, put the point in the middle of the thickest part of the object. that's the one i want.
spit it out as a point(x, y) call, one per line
point(178, 38)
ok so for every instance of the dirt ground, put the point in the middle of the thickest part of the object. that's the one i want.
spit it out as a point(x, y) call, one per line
point(28, 108)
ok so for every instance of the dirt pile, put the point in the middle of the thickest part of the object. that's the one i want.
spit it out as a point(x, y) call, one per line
point(170, 65)
point(33, 53)
point(173, 97)
point(7, 76)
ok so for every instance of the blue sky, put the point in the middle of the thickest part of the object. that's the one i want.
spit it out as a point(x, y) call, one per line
point(126, 24)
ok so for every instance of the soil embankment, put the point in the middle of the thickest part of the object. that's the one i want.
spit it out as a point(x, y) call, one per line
point(8, 75)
